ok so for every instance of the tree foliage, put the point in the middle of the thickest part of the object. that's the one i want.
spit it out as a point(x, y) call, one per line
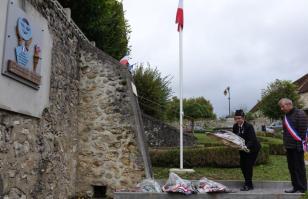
point(173, 109)
point(273, 93)
point(194, 108)
point(198, 108)
point(102, 21)
point(153, 90)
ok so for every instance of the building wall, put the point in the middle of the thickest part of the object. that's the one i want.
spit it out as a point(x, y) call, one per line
point(304, 99)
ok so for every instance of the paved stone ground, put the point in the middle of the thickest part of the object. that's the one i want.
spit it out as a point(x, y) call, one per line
point(263, 190)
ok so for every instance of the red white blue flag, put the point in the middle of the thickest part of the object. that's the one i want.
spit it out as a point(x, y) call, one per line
point(180, 16)
point(124, 60)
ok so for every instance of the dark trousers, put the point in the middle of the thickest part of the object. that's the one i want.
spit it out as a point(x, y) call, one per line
point(296, 165)
point(247, 160)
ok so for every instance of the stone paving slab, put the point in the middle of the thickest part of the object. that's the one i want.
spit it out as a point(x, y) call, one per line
point(263, 190)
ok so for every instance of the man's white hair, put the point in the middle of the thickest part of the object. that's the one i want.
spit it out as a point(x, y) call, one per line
point(285, 101)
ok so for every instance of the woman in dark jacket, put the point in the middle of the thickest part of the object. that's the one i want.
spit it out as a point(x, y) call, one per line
point(247, 159)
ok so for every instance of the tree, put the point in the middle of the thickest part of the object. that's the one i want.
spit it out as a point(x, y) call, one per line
point(194, 108)
point(197, 108)
point(273, 93)
point(102, 21)
point(153, 90)
point(173, 109)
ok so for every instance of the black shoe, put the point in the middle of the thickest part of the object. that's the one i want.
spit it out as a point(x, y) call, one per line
point(291, 191)
point(246, 188)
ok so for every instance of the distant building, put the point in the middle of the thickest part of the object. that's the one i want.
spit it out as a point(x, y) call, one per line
point(302, 84)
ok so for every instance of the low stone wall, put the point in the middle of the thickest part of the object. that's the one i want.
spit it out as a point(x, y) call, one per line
point(160, 134)
point(224, 123)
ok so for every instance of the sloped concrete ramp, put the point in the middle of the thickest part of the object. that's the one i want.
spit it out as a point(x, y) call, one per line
point(263, 190)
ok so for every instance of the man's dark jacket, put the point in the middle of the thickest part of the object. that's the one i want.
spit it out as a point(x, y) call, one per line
point(248, 135)
point(298, 121)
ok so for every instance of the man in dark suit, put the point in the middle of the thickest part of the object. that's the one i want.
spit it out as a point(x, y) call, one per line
point(247, 159)
point(295, 125)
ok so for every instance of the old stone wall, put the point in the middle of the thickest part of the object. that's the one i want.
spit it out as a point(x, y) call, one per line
point(87, 134)
point(160, 134)
point(109, 154)
point(39, 156)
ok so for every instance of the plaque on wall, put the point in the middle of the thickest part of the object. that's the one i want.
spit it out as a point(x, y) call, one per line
point(22, 49)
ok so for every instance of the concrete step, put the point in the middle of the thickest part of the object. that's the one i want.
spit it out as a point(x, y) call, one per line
point(263, 190)
point(205, 196)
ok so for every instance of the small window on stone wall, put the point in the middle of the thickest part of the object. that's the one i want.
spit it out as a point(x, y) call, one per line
point(99, 191)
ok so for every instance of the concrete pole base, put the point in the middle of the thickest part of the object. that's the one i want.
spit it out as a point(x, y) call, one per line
point(181, 171)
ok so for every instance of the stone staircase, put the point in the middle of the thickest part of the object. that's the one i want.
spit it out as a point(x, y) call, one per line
point(263, 190)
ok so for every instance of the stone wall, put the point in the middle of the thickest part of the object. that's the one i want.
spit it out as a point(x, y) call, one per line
point(39, 156)
point(109, 155)
point(87, 134)
point(160, 134)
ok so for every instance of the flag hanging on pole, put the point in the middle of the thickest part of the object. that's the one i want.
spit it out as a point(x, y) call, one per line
point(124, 60)
point(180, 16)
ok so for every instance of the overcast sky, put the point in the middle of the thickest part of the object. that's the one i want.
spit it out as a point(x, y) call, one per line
point(244, 44)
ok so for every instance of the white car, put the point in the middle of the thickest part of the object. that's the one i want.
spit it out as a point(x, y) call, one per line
point(274, 126)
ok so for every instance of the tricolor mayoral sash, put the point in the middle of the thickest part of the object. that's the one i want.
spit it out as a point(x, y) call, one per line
point(295, 134)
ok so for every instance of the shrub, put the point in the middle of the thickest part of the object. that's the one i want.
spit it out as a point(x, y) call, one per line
point(275, 145)
point(277, 149)
point(211, 144)
point(199, 131)
point(218, 156)
point(202, 138)
point(277, 134)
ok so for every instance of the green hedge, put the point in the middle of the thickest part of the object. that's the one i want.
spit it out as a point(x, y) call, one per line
point(275, 145)
point(219, 156)
point(212, 144)
point(277, 134)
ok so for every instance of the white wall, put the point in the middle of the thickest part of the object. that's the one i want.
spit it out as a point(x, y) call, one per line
point(304, 99)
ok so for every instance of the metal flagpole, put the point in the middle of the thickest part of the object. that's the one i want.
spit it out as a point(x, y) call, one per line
point(181, 96)
point(180, 21)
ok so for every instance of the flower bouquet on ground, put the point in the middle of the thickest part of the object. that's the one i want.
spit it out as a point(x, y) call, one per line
point(209, 186)
point(149, 185)
point(175, 184)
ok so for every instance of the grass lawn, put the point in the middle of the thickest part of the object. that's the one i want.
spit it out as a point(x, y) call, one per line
point(275, 170)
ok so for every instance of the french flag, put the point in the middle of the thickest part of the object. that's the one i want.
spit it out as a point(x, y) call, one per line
point(180, 16)
point(124, 60)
